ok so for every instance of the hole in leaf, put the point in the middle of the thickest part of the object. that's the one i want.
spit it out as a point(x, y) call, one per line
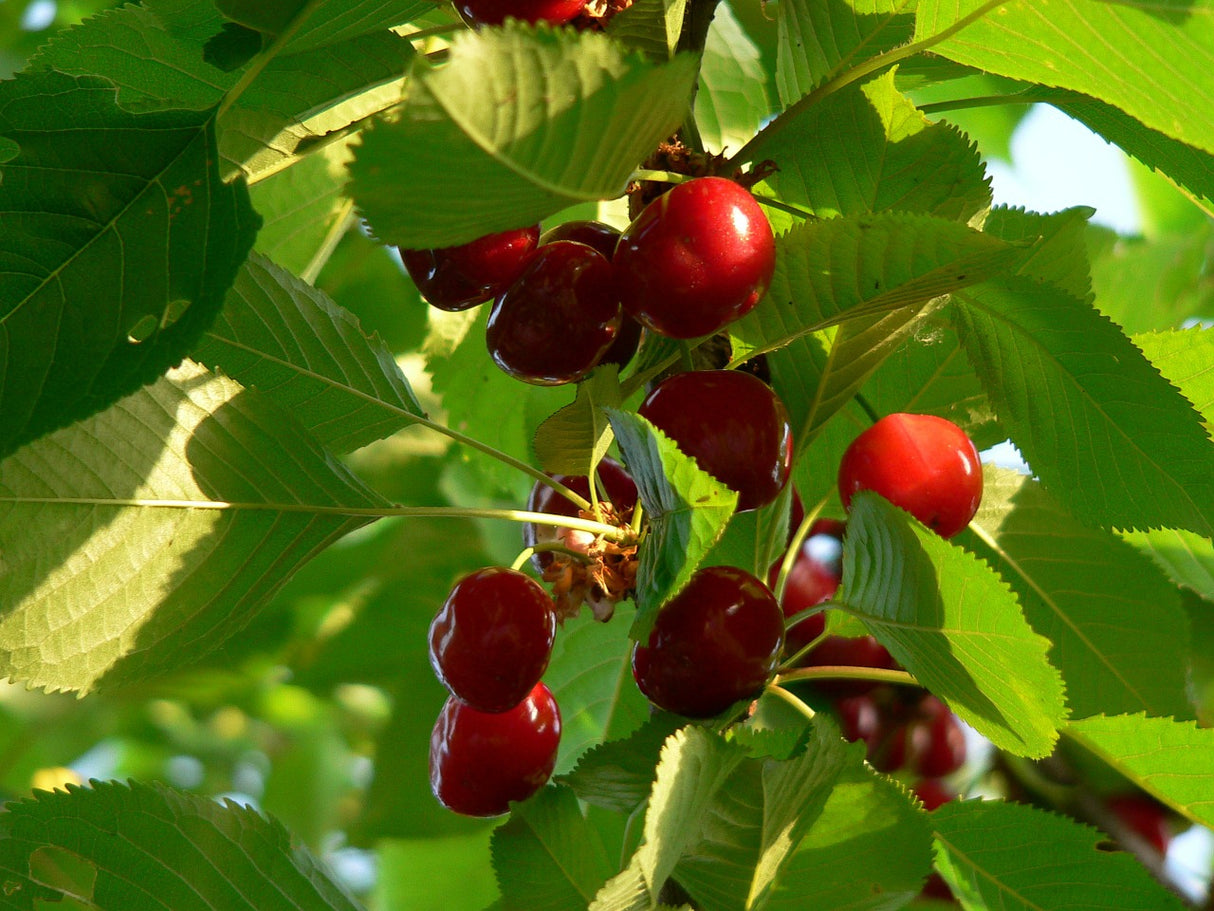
point(173, 311)
point(142, 329)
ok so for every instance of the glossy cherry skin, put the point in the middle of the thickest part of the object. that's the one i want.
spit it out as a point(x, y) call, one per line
point(922, 463)
point(591, 233)
point(814, 577)
point(456, 278)
point(491, 640)
point(494, 12)
point(1144, 816)
point(481, 761)
point(697, 258)
point(615, 485)
point(714, 643)
point(732, 424)
point(553, 324)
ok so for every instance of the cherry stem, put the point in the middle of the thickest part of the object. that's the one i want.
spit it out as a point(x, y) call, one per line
point(774, 203)
point(794, 549)
point(550, 547)
point(846, 672)
point(792, 699)
point(868, 408)
point(658, 176)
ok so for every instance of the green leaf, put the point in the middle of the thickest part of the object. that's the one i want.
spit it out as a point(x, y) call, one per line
point(433, 873)
point(120, 243)
point(1188, 559)
point(997, 854)
point(1110, 51)
point(732, 99)
point(687, 511)
point(313, 23)
point(618, 775)
point(1184, 358)
point(869, 275)
point(952, 622)
point(819, 39)
point(590, 674)
point(1170, 759)
point(1109, 437)
point(519, 124)
point(867, 148)
point(650, 26)
point(295, 345)
point(546, 857)
point(143, 538)
point(1088, 592)
point(141, 846)
point(575, 438)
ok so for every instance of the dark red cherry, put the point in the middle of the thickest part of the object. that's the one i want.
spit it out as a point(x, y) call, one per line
point(456, 278)
point(491, 640)
point(919, 462)
point(933, 792)
point(615, 485)
point(591, 233)
point(697, 258)
point(838, 651)
point(732, 424)
point(481, 761)
point(1145, 816)
point(860, 719)
point(814, 577)
point(714, 643)
point(941, 748)
point(494, 12)
point(557, 319)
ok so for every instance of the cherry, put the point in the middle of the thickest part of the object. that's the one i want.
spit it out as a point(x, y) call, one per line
point(933, 792)
point(616, 485)
point(491, 640)
point(1145, 816)
point(591, 233)
point(732, 424)
point(939, 748)
point(814, 577)
point(838, 651)
point(714, 643)
point(919, 462)
point(860, 719)
point(456, 278)
point(697, 258)
point(494, 12)
point(481, 761)
point(558, 318)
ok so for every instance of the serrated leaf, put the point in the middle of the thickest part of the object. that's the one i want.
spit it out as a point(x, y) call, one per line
point(1105, 50)
point(869, 275)
point(120, 242)
point(819, 39)
point(687, 510)
point(546, 857)
point(732, 99)
point(575, 438)
point(520, 123)
point(1170, 759)
point(314, 23)
point(650, 26)
point(1184, 358)
point(997, 854)
point(950, 620)
point(1188, 559)
point(618, 775)
point(151, 847)
point(1109, 436)
point(295, 345)
point(144, 537)
point(590, 674)
point(1087, 592)
point(867, 148)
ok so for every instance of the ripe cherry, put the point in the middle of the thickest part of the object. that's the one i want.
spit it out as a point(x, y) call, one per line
point(939, 746)
point(615, 484)
point(491, 640)
point(697, 258)
point(553, 324)
point(933, 792)
point(1145, 816)
point(591, 233)
point(481, 761)
point(919, 462)
point(860, 719)
point(732, 424)
point(456, 278)
point(494, 12)
point(814, 577)
point(714, 643)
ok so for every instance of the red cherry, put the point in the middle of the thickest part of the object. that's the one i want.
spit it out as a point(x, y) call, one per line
point(919, 462)
point(1145, 816)
point(591, 233)
point(860, 719)
point(838, 651)
point(481, 761)
point(732, 424)
point(491, 640)
point(494, 12)
point(615, 483)
point(557, 319)
point(814, 577)
point(456, 278)
point(714, 643)
point(697, 258)
point(941, 749)
point(933, 792)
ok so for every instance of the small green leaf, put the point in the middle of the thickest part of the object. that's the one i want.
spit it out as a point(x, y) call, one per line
point(151, 847)
point(619, 775)
point(576, 437)
point(520, 123)
point(732, 99)
point(546, 857)
point(687, 511)
point(289, 340)
point(650, 26)
point(1174, 760)
point(998, 854)
point(950, 620)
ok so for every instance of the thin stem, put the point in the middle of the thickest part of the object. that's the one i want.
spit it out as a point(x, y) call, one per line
point(1028, 96)
point(867, 68)
point(868, 408)
point(773, 203)
point(844, 672)
point(792, 699)
point(336, 232)
point(653, 176)
point(794, 547)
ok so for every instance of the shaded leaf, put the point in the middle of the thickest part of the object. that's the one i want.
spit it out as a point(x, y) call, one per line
point(308, 24)
point(649, 26)
point(618, 775)
point(575, 438)
point(732, 98)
